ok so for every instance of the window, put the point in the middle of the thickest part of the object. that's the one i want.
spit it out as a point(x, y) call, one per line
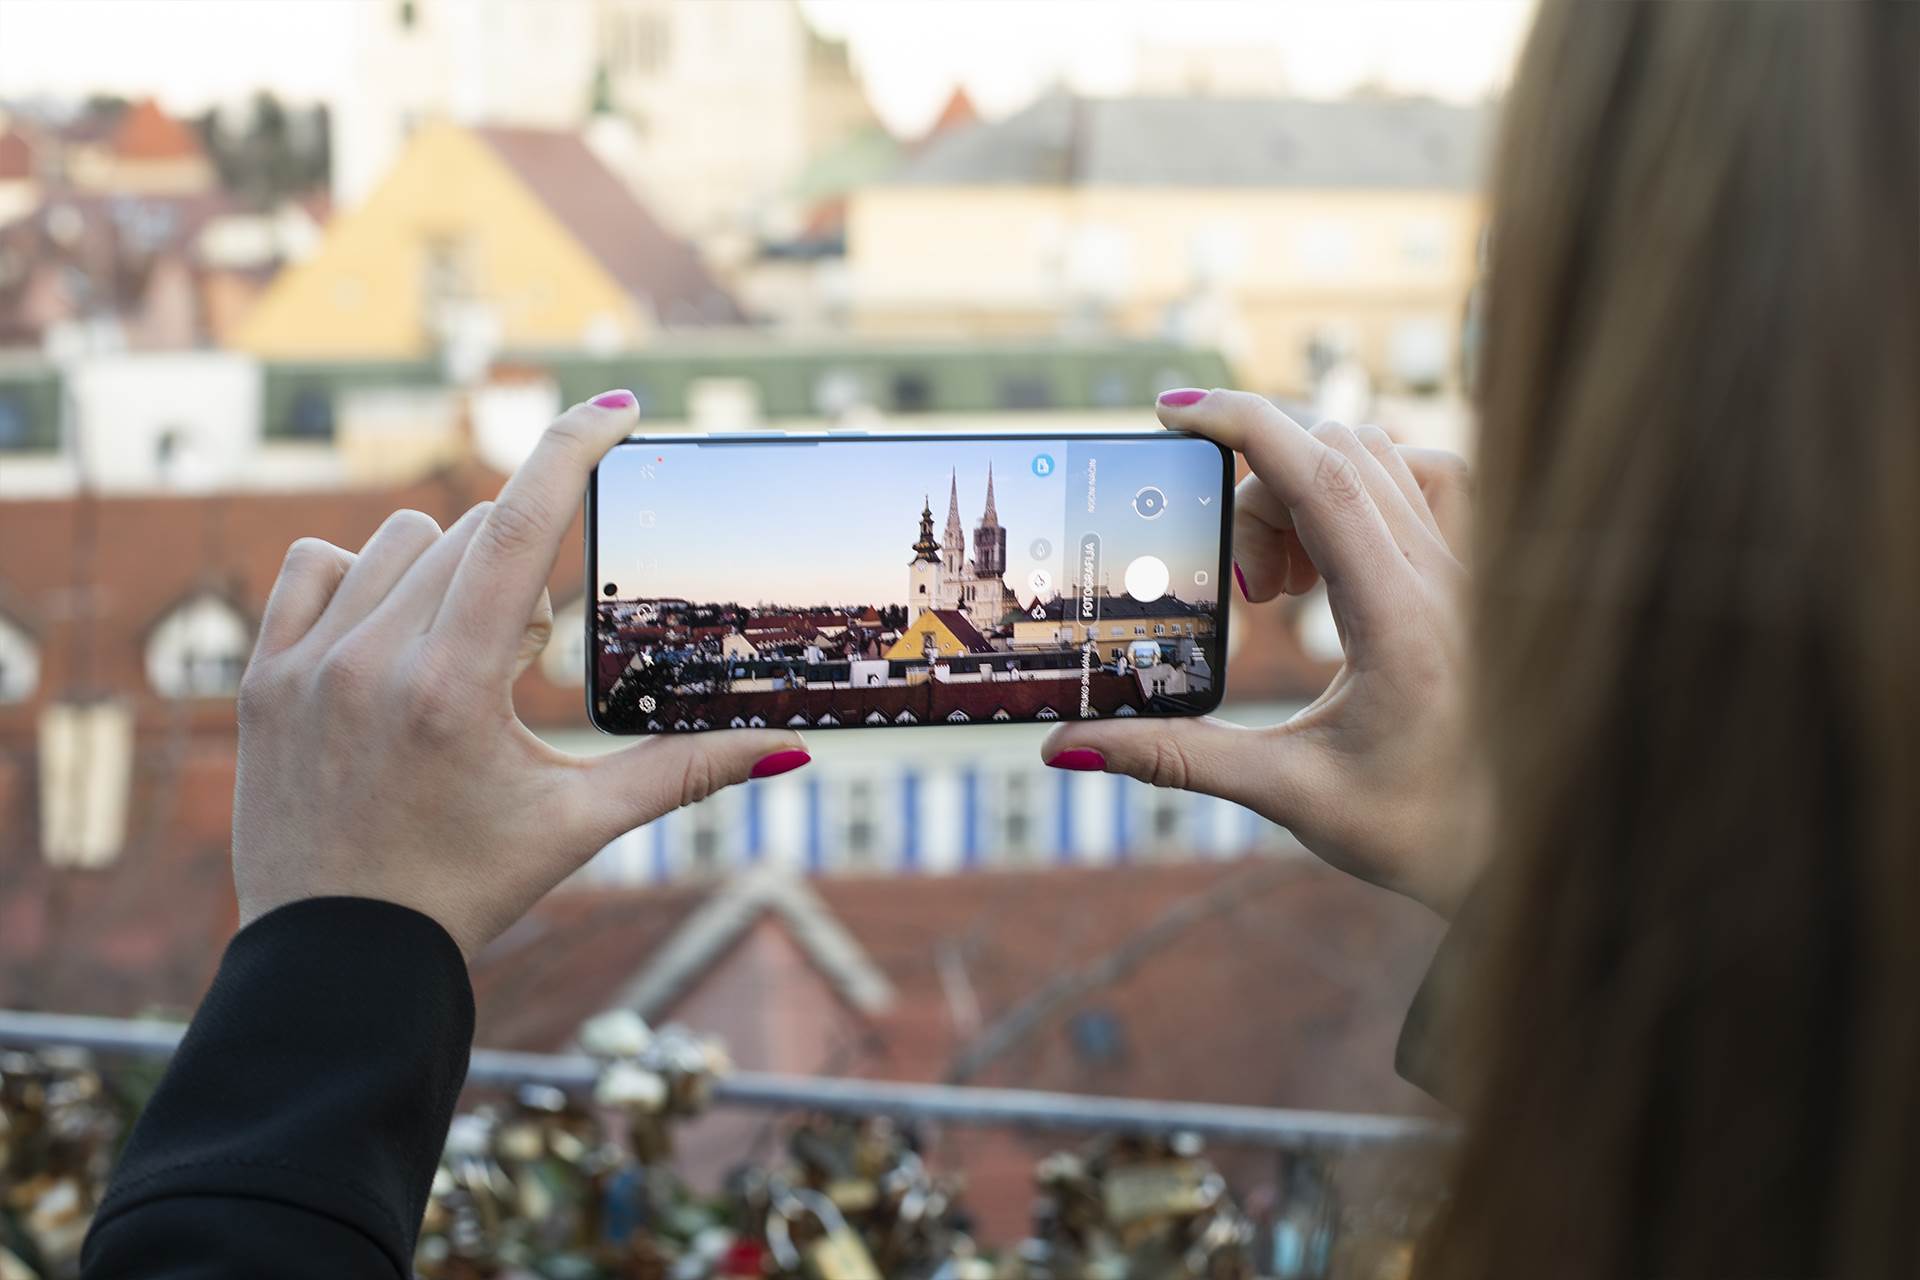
point(1164, 822)
point(1026, 391)
point(446, 273)
point(310, 416)
point(1418, 350)
point(704, 840)
point(1423, 242)
point(1112, 389)
point(912, 392)
point(1159, 628)
point(199, 650)
point(17, 431)
point(19, 663)
point(1016, 815)
point(860, 834)
point(1324, 248)
point(839, 392)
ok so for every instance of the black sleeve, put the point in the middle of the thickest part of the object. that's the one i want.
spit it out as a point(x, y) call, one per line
point(1425, 1056)
point(297, 1129)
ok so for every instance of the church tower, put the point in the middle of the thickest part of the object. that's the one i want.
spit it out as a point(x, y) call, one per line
point(956, 559)
point(924, 570)
point(990, 540)
point(952, 590)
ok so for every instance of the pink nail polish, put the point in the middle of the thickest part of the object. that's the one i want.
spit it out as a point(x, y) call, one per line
point(615, 400)
point(1182, 398)
point(1079, 759)
point(1241, 578)
point(780, 762)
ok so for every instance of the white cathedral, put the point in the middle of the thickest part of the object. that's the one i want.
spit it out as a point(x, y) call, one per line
point(943, 578)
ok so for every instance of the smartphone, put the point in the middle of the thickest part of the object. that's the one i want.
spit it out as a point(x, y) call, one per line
point(845, 580)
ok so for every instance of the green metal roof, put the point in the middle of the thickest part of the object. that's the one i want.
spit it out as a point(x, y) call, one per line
point(898, 377)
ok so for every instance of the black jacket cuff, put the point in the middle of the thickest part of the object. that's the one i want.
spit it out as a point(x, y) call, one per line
point(320, 1072)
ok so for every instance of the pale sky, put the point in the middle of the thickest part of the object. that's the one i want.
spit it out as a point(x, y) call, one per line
point(704, 536)
point(191, 53)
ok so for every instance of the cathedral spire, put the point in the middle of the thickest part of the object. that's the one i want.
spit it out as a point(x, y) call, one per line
point(956, 534)
point(991, 520)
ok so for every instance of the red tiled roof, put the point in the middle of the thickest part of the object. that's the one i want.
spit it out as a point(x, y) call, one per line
point(1272, 982)
point(959, 113)
point(16, 156)
point(651, 262)
point(145, 132)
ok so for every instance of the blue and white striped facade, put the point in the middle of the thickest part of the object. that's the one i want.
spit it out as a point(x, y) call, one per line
point(932, 801)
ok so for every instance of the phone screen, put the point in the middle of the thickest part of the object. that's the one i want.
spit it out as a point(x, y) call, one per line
point(857, 582)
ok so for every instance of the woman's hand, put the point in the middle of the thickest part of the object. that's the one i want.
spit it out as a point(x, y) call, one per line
point(1376, 776)
point(380, 756)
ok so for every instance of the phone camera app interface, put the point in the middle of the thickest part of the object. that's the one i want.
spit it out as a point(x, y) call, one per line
point(867, 583)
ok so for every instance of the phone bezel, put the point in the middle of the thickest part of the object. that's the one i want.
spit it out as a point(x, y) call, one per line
point(591, 527)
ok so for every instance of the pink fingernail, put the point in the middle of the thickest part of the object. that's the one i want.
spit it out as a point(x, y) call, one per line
point(615, 400)
point(1079, 759)
point(1182, 398)
point(1241, 578)
point(780, 762)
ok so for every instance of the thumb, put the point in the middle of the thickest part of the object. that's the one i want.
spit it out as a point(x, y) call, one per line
point(1271, 771)
point(632, 787)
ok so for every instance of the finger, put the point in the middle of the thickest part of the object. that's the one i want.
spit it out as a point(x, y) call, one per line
point(1414, 538)
point(1387, 454)
point(1271, 771)
point(390, 552)
point(308, 578)
point(538, 632)
point(506, 568)
point(415, 600)
point(630, 788)
point(1341, 529)
point(1447, 482)
point(1266, 547)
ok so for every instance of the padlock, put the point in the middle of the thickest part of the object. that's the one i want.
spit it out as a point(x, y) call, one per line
point(837, 1253)
point(1159, 1189)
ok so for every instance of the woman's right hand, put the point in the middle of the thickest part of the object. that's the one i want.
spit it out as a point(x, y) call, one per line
point(1376, 776)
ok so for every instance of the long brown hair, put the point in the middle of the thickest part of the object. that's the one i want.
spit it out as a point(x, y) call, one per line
point(1692, 1045)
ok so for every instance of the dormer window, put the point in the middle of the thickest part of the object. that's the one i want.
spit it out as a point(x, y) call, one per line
point(19, 662)
point(199, 650)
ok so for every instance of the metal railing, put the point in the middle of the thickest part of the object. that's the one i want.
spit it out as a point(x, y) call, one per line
point(952, 1104)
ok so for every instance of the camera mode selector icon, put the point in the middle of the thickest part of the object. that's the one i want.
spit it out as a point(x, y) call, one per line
point(1043, 464)
point(1040, 549)
point(1150, 503)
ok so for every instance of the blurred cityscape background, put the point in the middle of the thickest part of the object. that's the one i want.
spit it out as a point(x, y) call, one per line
point(275, 269)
